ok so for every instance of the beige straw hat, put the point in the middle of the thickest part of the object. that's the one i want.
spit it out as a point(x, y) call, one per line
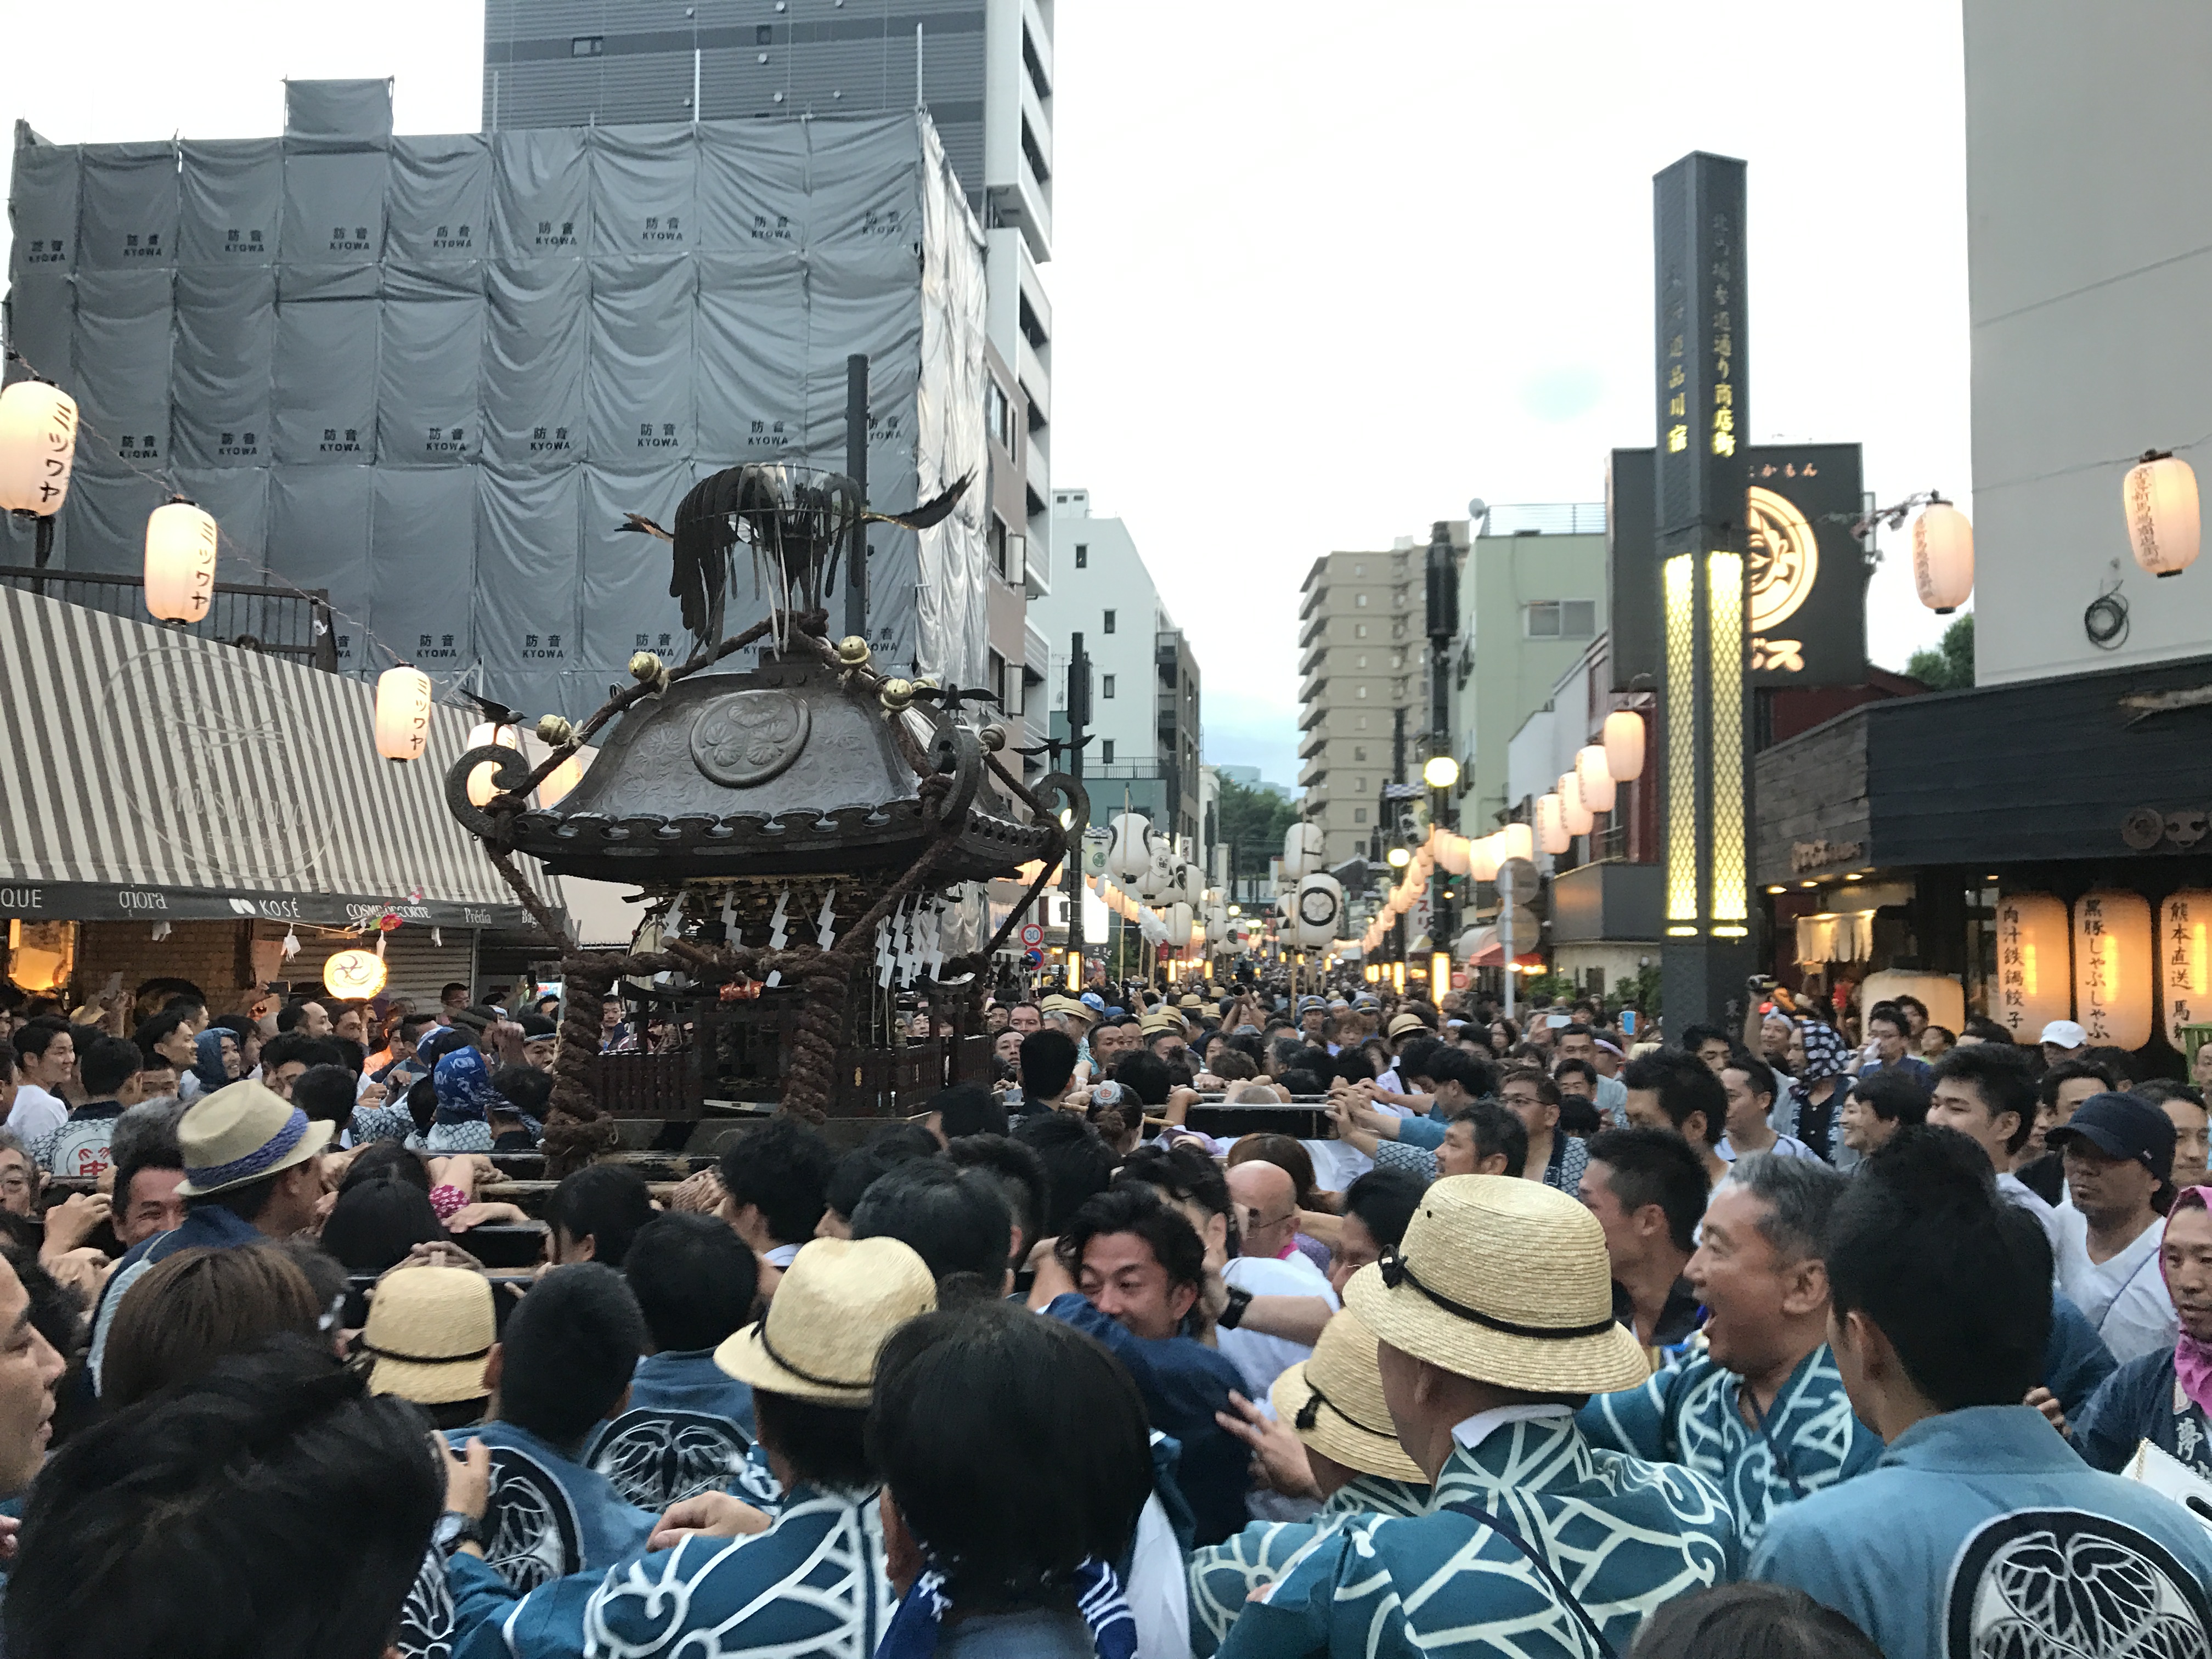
point(431, 1330)
point(1334, 1402)
point(241, 1132)
point(1505, 1281)
point(1068, 1006)
point(834, 1308)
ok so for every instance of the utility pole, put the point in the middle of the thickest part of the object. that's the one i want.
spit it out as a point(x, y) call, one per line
point(1443, 625)
point(856, 469)
point(1078, 717)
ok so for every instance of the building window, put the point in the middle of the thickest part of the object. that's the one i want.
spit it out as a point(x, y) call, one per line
point(1362, 662)
point(1363, 690)
point(1560, 619)
point(1360, 570)
point(587, 46)
point(1359, 630)
point(1106, 749)
point(763, 34)
point(1109, 628)
point(1359, 786)
point(1360, 600)
point(1359, 754)
point(1109, 692)
point(995, 409)
point(1363, 722)
point(1359, 815)
point(1082, 560)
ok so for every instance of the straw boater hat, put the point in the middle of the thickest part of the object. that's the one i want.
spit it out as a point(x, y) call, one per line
point(837, 1305)
point(1068, 1006)
point(241, 1132)
point(431, 1330)
point(1505, 1281)
point(1159, 1022)
point(1404, 1024)
point(1335, 1401)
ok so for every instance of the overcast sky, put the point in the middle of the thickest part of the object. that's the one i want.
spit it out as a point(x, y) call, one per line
point(1322, 273)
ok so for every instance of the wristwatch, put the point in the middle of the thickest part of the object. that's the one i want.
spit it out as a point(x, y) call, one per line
point(454, 1529)
point(1233, 1315)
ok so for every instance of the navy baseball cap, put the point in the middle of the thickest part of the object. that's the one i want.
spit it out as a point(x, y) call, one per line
point(2122, 1126)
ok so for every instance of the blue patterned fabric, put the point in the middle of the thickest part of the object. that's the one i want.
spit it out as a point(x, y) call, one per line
point(1692, 1414)
point(1980, 1535)
point(2141, 1401)
point(812, 1587)
point(1624, 1535)
point(687, 1429)
point(1223, 1575)
point(550, 1515)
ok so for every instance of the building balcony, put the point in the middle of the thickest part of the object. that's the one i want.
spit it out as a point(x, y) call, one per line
point(1312, 656)
point(1312, 599)
point(1313, 628)
point(276, 622)
point(1316, 739)
point(1311, 689)
point(1316, 770)
point(1311, 715)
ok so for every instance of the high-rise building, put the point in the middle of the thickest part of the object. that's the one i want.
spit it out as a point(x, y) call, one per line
point(983, 68)
point(1362, 665)
point(1147, 737)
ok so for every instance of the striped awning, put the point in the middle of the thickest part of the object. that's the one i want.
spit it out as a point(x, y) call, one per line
point(150, 775)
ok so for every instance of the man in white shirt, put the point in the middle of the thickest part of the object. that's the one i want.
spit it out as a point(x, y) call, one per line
point(1751, 1087)
point(1985, 1092)
point(45, 1056)
point(1270, 1264)
point(2118, 1149)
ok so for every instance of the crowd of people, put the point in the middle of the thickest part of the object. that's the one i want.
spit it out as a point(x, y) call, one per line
point(1551, 1339)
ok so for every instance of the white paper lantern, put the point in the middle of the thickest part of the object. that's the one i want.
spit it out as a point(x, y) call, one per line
point(1320, 907)
point(38, 447)
point(403, 713)
point(560, 780)
point(1129, 848)
point(1482, 859)
point(1551, 825)
point(1623, 745)
point(180, 555)
point(1515, 841)
point(1596, 780)
point(485, 735)
point(355, 976)
point(1179, 922)
point(1578, 818)
point(1452, 852)
point(1303, 851)
point(2159, 496)
point(1159, 879)
point(1942, 557)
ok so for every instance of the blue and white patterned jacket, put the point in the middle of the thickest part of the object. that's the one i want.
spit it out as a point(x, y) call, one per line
point(812, 1587)
point(1624, 1536)
point(1223, 1575)
point(1692, 1414)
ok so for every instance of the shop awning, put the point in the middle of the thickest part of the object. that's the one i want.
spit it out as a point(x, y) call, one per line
point(150, 775)
point(1488, 952)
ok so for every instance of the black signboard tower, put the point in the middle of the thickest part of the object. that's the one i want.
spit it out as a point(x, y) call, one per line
point(1701, 541)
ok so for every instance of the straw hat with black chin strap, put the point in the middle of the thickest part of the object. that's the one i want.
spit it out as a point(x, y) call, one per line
point(1334, 1402)
point(1507, 1282)
point(430, 1329)
point(836, 1305)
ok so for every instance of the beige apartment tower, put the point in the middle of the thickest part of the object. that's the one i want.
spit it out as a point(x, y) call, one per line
point(1362, 661)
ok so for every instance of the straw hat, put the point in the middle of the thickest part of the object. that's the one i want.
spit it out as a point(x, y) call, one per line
point(1401, 1024)
point(241, 1132)
point(1161, 1024)
point(431, 1329)
point(1334, 1401)
point(1190, 1000)
point(1505, 1281)
point(1069, 1005)
point(837, 1305)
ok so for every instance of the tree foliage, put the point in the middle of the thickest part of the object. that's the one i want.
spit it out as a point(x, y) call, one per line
point(1950, 665)
point(1254, 822)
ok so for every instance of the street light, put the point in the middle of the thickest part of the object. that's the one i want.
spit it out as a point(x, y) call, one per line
point(1399, 858)
point(1441, 772)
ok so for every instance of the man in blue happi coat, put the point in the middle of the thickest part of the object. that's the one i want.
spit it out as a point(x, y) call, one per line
point(1979, 1531)
point(1495, 1322)
point(1760, 1408)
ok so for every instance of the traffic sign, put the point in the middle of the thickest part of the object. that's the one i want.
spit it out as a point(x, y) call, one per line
point(1032, 935)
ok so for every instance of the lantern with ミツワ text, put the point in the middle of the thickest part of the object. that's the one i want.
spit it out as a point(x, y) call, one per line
point(2035, 971)
point(1552, 825)
point(1942, 557)
point(1577, 815)
point(2159, 496)
point(1595, 776)
point(1623, 745)
point(38, 447)
point(2184, 960)
point(403, 713)
point(181, 541)
point(2112, 967)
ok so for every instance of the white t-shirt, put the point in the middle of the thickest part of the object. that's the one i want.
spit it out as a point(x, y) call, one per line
point(1264, 1359)
point(2018, 1193)
point(2125, 1296)
point(36, 1113)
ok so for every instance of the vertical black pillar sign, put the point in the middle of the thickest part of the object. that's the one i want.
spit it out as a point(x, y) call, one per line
point(1704, 419)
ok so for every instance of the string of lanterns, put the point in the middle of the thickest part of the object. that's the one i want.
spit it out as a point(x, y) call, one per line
point(1568, 811)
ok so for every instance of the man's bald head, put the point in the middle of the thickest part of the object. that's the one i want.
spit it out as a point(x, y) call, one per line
point(1266, 1206)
